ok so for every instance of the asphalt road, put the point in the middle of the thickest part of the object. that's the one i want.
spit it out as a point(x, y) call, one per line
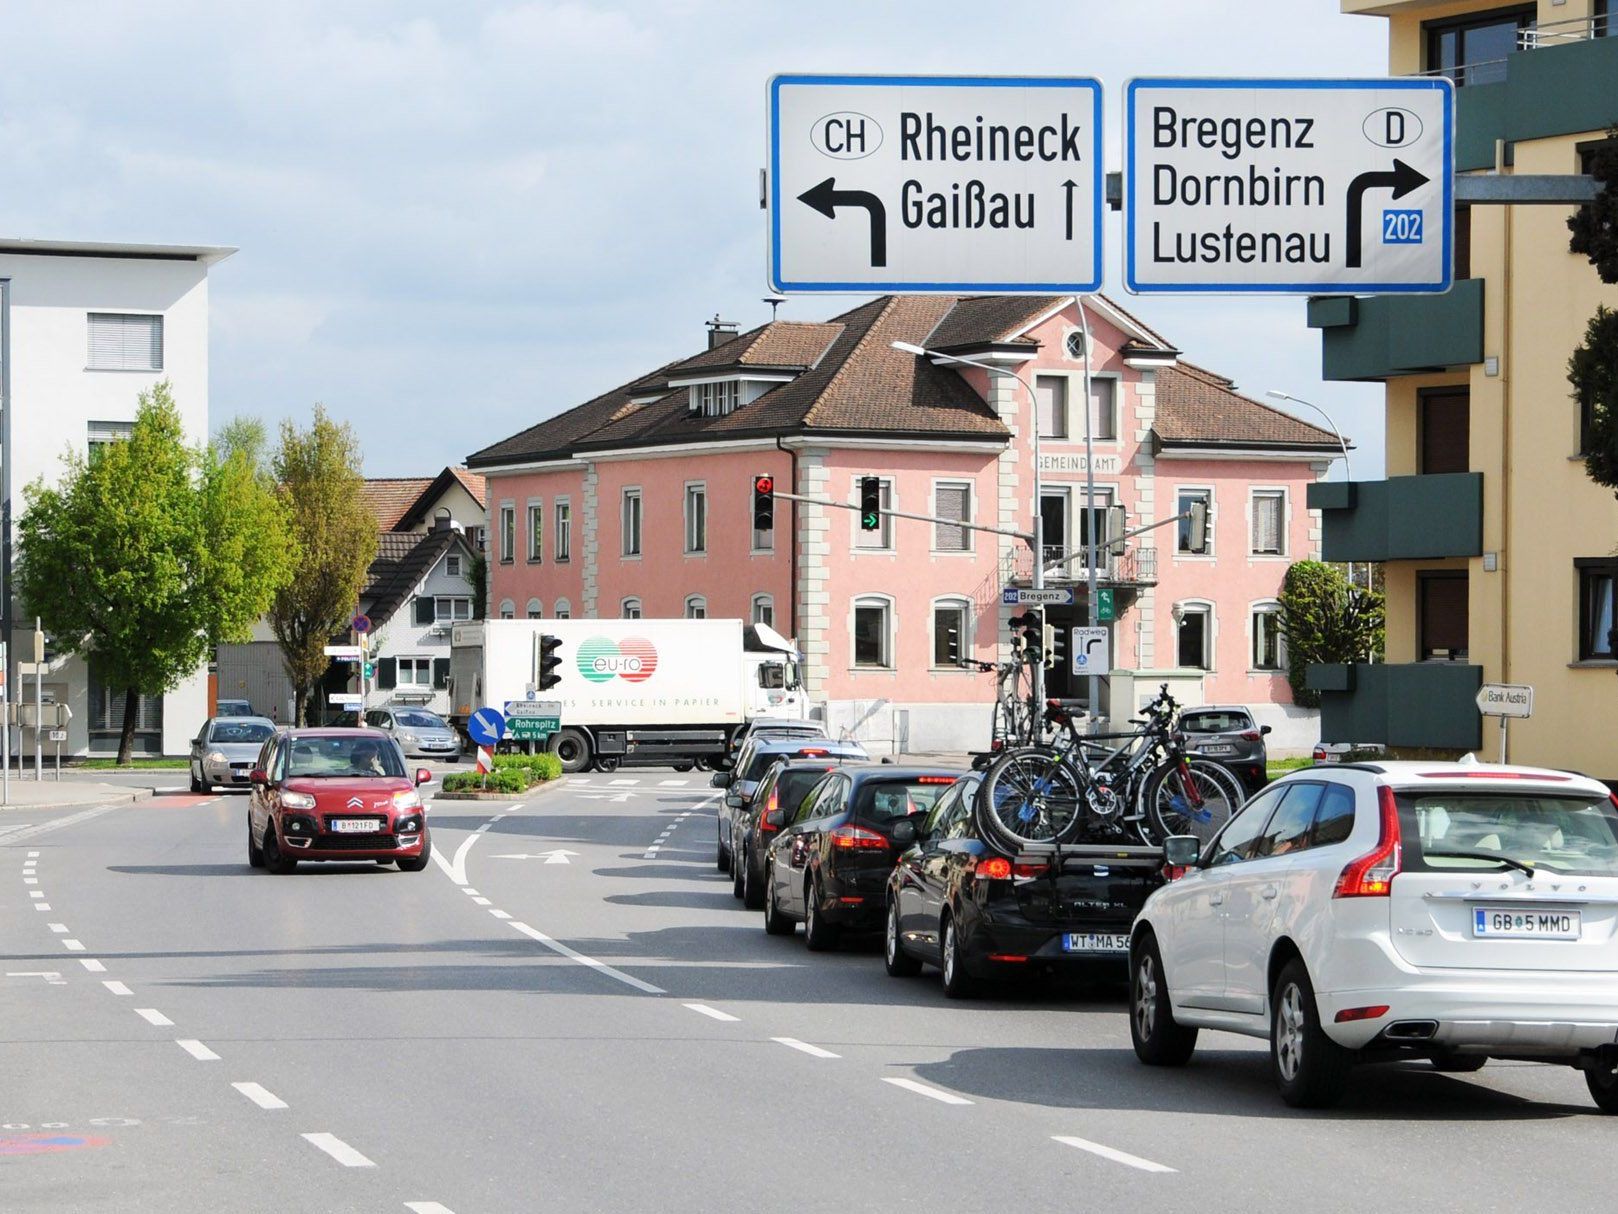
point(568, 1011)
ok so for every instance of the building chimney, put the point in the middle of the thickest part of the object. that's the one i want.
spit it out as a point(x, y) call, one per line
point(719, 331)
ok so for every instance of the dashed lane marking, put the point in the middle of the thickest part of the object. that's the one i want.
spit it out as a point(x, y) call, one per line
point(1123, 1157)
point(117, 988)
point(59, 928)
point(35, 893)
point(44, 906)
point(922, 1089)
point(498, 913)
point(259, 1096)
point(154, 1017)
point(196, 1049)
point(623, 783)
point(573, 954)
point(338, 1150)
point(814, 1051)
point(481, 901)
point(428, 1207)
point(73, 946)
point(91, 964)
point(713, 1013)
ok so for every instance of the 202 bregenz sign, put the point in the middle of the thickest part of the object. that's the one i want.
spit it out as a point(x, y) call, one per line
point(934, 183)
point(1288, 185)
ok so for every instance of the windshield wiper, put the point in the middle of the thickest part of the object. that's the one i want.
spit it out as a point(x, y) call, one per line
point(1496, 857)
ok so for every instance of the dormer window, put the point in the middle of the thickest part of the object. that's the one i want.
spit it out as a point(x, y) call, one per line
point(716, 398)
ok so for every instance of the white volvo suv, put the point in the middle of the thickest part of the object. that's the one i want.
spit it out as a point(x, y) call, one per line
point(1452, 911)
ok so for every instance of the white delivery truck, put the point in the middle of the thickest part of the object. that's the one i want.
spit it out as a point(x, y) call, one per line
point(671, 690)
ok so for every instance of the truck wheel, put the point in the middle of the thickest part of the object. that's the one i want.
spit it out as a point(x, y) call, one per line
point(572, 747)
point(608, 763)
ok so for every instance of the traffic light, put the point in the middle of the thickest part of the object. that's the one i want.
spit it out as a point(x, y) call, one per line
point(1028, 635)
point(1117, 524)
point(1196, 540)
point(1055, 647)
point(764, 502)
point(870, 503)
point(549, 660)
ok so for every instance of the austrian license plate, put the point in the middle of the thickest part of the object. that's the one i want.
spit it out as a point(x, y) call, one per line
point(1094, 942)
point(1497, 922)
point(356, 826)
point(1218, 748)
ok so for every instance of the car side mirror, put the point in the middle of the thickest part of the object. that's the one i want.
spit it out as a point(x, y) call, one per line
point(775, 819)
point(423, 775)
point(258, 776)
point(904, 832)
point(1265, 730)
point(1182, 851)
point(719, 779)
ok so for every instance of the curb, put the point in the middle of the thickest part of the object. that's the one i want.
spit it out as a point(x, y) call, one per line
point(526, 794)
point(119, 798)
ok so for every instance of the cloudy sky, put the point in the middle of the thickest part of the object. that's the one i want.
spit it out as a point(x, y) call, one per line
point(458, 218)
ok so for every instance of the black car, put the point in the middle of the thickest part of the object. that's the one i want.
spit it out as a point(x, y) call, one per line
point(829, 865)
point(741, 782)
point(955, 902)
point(783, 788)
point(1229, 734)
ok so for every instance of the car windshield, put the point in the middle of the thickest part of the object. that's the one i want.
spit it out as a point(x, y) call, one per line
point(420, 720)
point(226, 733)
point(887, 800)
point(1215, 722)
point(339, 757)
point(760, 763)
point(1576, 835)
point(791, 786)
point(234, 708)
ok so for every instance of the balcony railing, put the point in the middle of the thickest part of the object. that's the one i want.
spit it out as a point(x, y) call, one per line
point(1064, 565)
point(1533, 37)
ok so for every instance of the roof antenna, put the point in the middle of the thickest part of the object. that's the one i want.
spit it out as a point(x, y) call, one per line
point(775, 301)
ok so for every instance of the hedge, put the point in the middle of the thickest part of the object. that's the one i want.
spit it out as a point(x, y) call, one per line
point(544, 766)
point(512, 773)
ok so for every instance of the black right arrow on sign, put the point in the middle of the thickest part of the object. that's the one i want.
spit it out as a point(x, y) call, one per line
point(1401, 180)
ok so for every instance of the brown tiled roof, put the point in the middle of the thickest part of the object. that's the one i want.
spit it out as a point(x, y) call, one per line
point(781, 343)
point(1196, 406)
point(402, 560)
point(389, 497)
point(986, 318)
point(472, 483)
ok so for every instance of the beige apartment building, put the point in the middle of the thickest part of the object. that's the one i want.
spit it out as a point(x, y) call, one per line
point(1498, 549)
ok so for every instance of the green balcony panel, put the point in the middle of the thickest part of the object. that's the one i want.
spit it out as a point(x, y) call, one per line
point(1401, 518)
point(1420, 704)
point(1561, 89)
point(1400, 334)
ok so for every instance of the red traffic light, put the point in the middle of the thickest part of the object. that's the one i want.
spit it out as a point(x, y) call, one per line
point(764, 484)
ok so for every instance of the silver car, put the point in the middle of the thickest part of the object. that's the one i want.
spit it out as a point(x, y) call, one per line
point(420, 734)
point(225, 749)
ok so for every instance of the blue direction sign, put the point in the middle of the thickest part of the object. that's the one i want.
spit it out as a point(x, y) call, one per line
point(1023, 596)
point(486, 726)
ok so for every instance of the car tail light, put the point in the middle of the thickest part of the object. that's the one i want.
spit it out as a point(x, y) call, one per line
point(1318, 755)
point(856, 838)
point(770, 806)
point(936, 779)
point(813, 752)
point(1172, 872)
point(1029, 870)
point(1371, 876)
point(997, 744)
point(1613, 797)
point(1007, 957)
point(1251, 735)
point(994, 868)
point(1361, 1013)
point(1493, 775)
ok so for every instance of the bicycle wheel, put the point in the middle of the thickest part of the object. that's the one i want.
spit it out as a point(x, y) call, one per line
point(1029, 796)
point(1195, 796)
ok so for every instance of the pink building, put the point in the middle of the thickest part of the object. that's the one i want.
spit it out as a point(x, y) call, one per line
point(639, 502)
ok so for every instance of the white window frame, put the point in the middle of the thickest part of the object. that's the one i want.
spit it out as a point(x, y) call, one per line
point(767, 602)
point(1066, 380)
point(631, 493)
point(949, 602)
point(1116, 392)
point(508, 609)
point(886, 604)
point(416, 664)
point(630, 609)
point(564, 610)
point(536, 530)
point(133, 351)
point(1254, 610)
point(508, 532)
point(967, 545)
point(716, 398)
point(444, 608)
point(696, 607)
point(535, 610)
point(562, 517)
point(452, 565)
point(1209, 634)
point(1212, 550)
point(1068, 336)
point(696, 518)
point(886, 535)
point(1267, 492)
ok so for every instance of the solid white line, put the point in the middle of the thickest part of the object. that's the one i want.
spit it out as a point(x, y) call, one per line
point(600, 966)
point(73, 946)
point(338, 1150)
point(59, 928)
point(713, 1013)
point(814, 1051)
point(117, 988)
point(196, 1049)
point(428, 1207)
point(152, 1016)
point(1095, 1148)
point(456, 868)
point(91, 964)
point(498, 913)
point(29, 832)
point(921, 1089)
point(260, 1097)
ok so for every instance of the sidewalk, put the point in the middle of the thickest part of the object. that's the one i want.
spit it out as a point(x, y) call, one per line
point(64, 794)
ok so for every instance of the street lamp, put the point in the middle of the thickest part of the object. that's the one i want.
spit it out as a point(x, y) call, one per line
point(1348, 470)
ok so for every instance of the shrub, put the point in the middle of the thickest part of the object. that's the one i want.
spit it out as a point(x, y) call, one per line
point(510, 779)
point(1326, 620)
point(541, 767)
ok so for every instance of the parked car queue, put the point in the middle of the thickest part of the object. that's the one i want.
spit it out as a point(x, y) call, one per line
point(1353, 913)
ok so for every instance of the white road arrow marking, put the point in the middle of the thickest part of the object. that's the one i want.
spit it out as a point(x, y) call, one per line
point(603, 796)
point(50, 976)
point(559, 856)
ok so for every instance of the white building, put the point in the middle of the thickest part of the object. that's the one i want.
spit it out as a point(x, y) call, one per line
point(84, 329)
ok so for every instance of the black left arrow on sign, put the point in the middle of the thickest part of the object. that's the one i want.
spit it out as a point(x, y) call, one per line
point(826, 198)
point(1402, 179)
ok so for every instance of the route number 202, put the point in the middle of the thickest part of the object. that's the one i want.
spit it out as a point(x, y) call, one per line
point(1401, 227)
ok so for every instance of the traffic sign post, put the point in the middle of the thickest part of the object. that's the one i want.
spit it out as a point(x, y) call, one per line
point(1289, 186)
point(935, 184)
point(1505, 700)
point(1091, 655)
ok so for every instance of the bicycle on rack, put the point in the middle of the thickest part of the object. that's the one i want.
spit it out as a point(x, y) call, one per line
point(1012, 724)
point(1149, 785)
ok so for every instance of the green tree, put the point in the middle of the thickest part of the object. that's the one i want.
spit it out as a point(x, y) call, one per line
point(1593, 372)
point(1324, 619)
point(477, 572)
point(248, 437)
point(318, 472)
point(149, 555)
point(1595, 224)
